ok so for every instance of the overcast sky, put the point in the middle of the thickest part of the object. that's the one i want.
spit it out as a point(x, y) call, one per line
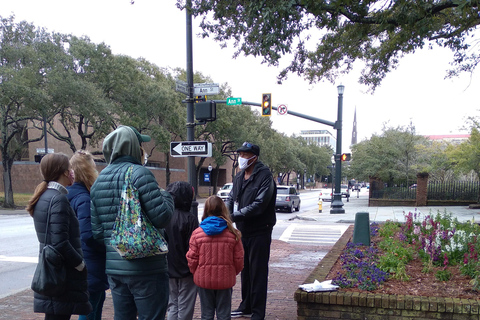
point(155, 30)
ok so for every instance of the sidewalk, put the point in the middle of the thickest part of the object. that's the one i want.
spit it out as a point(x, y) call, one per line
point(290, 264)
point(381, 214)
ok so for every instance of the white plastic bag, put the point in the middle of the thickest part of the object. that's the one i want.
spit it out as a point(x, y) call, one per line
point(318, 286)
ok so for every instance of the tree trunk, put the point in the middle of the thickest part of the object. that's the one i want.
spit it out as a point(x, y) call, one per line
point(7, 182)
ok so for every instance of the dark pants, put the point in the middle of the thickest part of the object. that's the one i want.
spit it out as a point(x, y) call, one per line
point(97, 298)
point(255, 275)
point(57, 316)
point(219, 301)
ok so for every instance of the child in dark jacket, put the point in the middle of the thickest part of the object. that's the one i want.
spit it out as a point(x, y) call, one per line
point(215, 258)
point(183, 291)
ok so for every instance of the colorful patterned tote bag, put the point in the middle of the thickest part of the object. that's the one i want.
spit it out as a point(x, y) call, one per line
point(133, 234)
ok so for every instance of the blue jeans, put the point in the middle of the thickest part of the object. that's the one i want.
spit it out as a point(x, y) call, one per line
point(97, 299)
point(146, 296)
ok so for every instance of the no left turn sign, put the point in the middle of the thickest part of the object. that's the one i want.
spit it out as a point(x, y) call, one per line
point(282, 109)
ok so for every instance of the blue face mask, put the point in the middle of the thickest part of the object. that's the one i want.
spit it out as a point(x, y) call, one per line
point(243, 163)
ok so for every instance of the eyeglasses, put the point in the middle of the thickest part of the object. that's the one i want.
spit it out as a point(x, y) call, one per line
point(247, 144)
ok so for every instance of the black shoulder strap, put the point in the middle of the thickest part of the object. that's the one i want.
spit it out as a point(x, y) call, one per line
point(48, 219)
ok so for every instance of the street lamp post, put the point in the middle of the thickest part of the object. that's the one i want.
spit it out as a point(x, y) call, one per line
point(210, 179)
point(337, 204)
point(298, 180)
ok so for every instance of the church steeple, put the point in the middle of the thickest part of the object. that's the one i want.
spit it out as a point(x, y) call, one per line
point(354, 131)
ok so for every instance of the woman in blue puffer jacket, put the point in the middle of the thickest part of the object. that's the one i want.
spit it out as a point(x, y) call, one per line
point(94, 254)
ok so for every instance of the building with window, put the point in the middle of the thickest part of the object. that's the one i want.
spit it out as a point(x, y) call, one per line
point(450, 138)
point(319, 137)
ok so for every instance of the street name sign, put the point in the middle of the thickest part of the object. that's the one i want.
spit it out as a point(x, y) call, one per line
point(206, 89)
point(234, 101)
point(199, 89)
point(42, 150)
point(191, 149)
point(181, 86)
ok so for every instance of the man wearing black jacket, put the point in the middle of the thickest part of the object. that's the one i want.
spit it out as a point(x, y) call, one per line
point(252, 206)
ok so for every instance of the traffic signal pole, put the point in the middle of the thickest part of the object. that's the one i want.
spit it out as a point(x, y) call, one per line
point(192, 177)
point(337, 203)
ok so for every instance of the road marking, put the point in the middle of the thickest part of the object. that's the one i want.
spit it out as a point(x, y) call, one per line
point(313, 234)
point(19, 259)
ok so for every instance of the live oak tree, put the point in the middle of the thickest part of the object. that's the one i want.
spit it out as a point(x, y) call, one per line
point(25, 62)
point(391, 156)
point(323, 39)
point(466, 156)
point(80, 104)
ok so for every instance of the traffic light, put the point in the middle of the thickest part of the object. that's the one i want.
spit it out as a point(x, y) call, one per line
point(346, 156)
point(266, 105)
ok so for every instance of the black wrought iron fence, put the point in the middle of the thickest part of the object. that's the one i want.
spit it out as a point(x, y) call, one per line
point(457, 190)
point(395, 193)
point(445, 191)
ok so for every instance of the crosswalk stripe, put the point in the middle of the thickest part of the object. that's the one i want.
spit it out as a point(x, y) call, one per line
point(314, 234)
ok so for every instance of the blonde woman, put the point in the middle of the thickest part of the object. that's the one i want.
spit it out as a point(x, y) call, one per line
point(49, 199)
point(86, 173)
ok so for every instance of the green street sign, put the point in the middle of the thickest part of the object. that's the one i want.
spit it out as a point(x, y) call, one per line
point(234, 101)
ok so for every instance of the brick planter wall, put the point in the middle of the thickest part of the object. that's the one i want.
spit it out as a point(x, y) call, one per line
point(348, 305)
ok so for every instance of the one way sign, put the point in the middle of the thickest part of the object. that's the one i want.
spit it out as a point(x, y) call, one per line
point(191, 149)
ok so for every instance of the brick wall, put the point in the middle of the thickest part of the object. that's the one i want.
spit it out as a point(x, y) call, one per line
point(26, 176)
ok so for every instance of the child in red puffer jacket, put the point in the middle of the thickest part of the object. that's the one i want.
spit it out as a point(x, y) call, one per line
point(215, 257)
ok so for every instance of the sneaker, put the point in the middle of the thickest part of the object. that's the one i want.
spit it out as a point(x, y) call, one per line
point(240, 314)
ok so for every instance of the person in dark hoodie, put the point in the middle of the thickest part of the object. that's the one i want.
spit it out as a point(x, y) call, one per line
point(85, 173)
point(215, 258)
point(183, 291)
point(138, 286)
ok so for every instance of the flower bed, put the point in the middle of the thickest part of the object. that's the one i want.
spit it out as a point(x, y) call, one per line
point(438, 240)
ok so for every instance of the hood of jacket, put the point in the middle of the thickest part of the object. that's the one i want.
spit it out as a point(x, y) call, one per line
point(121, 142)
point(213, 225)
point(182, 194)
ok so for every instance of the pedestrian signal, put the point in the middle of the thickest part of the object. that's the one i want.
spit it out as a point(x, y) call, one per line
point(345, 157)
point(266, 105)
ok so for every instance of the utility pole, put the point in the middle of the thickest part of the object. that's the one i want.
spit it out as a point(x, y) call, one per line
point(192, 177)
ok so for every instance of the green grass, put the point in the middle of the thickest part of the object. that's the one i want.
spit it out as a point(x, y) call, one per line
point(20, 199)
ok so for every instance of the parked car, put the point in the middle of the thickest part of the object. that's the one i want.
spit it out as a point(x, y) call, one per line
point(325, 195)
point(345, 191)
point(287, 199)
point(225, 191)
